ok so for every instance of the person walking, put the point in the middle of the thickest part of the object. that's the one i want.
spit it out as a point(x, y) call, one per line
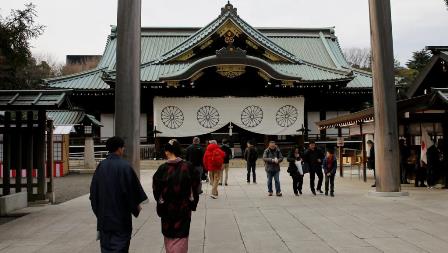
point(404, 154)
point(194, 154)
point(251, 156)
point(330, 165)
point(272, 158)
point(115, 195)
point(226, 148)
point(313, 157)
point(295, 170)
point(213, 161)
point(176, 190)
point(371, 159)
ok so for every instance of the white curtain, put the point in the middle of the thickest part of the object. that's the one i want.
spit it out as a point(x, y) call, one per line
point(191, 116)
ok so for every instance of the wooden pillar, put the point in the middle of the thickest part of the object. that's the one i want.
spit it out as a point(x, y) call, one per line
point(28, 154)
point(363, 153)
point(50, 162)
point(7, 154)
point(341, 158)
point(384, 97)
point(17, 162)
point(40, 155)
point(127, 89)
point(323, 132)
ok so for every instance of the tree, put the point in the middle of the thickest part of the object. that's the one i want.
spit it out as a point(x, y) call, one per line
point(359, 58)
point(18, 66)
point(419, 60)
point(446, 3)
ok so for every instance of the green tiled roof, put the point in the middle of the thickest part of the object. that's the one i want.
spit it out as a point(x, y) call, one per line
point(33, 99)
point(317, 49)
point(65, 118)
point(362, 79)
point(88, 80)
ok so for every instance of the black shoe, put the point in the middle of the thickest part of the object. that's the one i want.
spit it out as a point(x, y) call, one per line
point(373, 185)
point(279, 194)
point(326, 193)
point(220, 184)
point(300, 191)
point(331, 194)
point(248, 181)
point(255, 182)
point(320, 191)
point(314, 192)
point(226, 184)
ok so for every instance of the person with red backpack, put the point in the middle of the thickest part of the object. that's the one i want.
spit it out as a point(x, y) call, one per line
point(213, 161)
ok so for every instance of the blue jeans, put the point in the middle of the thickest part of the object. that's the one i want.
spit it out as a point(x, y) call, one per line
point(276, 176)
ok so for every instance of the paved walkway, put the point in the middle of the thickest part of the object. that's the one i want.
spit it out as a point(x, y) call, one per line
point(245, 219)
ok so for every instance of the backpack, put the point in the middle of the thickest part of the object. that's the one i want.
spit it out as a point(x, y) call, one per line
point(217, 159)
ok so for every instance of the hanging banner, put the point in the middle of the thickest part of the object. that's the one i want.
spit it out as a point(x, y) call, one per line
point(191, 116)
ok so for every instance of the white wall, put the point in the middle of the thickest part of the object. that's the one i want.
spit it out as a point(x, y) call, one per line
point(108, 125)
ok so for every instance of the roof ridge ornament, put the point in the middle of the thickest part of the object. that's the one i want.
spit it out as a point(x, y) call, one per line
point(228, 8)
point(230, 52)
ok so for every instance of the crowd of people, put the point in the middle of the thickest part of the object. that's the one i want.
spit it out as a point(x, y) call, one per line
point(116, 193)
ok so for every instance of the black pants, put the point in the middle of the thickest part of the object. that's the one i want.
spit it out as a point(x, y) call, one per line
point(115, 242)
point(251, 166)
point(430, 176)
point(317, 170)
point(420, 175)
point(329, 181)
point(297, 183)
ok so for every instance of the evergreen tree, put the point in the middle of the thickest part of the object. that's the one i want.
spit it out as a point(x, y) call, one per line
point(18, 69)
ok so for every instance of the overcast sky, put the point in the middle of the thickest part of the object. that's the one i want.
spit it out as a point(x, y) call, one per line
point(82, 26)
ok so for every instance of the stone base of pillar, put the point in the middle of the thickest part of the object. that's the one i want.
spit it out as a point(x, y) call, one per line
point(374, 193)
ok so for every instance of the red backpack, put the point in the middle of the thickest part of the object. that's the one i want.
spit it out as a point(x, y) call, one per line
point(217, 158)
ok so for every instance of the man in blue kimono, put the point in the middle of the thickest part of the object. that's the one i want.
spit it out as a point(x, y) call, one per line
point(115, 195)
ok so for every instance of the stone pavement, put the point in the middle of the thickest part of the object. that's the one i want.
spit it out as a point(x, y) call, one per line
point(245, 219)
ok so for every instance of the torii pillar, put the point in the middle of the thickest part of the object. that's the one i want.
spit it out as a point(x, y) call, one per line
point(384, 97)
point(127, 89)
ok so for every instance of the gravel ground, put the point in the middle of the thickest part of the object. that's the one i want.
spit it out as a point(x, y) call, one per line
point(72, 186)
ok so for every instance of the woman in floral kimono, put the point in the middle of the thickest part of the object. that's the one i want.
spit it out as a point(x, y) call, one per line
point(175, 188)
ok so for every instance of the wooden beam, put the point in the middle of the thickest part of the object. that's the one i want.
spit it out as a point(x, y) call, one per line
point(7, 154)
point(28, 155)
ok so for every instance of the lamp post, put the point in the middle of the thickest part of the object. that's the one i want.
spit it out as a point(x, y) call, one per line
point(156, 141)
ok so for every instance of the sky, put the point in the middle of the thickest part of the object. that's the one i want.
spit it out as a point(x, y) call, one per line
point(82, 26)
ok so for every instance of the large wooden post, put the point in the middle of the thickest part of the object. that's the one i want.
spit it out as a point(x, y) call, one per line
point(384, 97)
point(127, 89)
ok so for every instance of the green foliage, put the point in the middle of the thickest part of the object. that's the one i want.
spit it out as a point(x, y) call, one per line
point(18, 69)
point(419, 60)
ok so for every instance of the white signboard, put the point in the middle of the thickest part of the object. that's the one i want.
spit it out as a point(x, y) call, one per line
point(191, 116)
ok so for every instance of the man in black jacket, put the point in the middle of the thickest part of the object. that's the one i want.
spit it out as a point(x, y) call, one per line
point(115, 194)
point(226, 148)
point(194, 155)
point(313, 158)
point(251, 156)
